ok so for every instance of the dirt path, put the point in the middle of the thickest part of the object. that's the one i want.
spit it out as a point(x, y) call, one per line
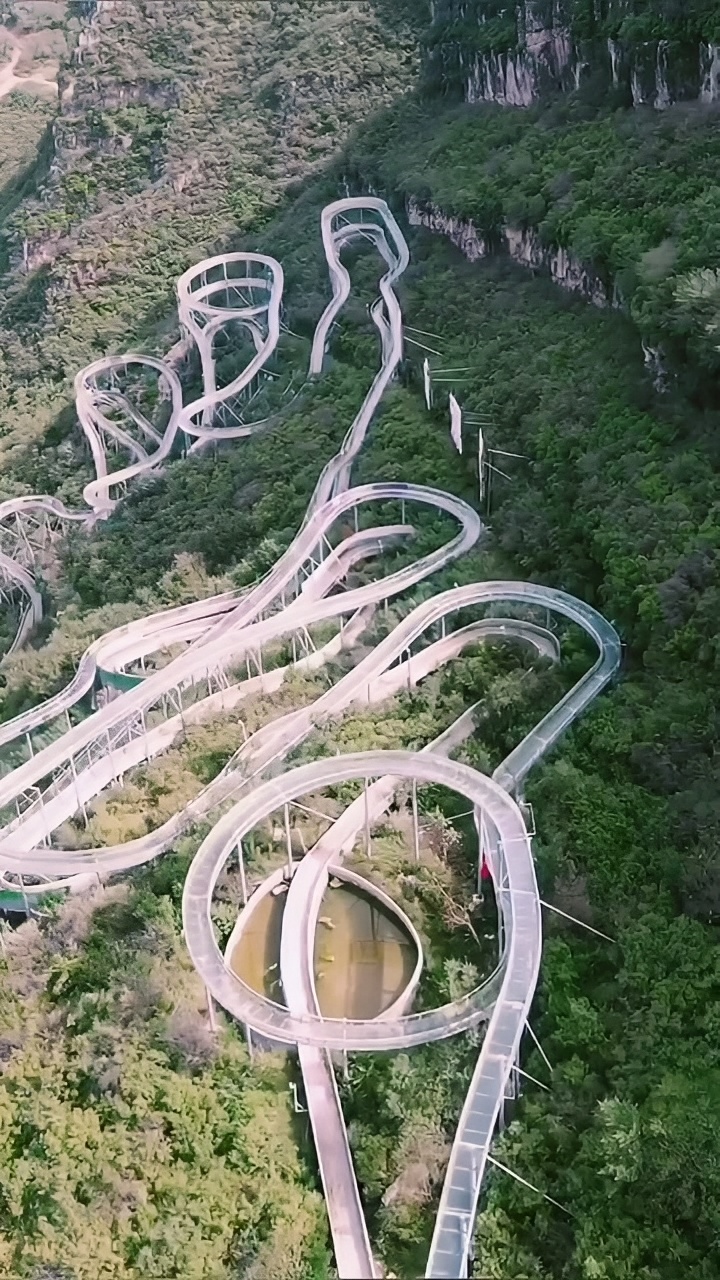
point(41, 81)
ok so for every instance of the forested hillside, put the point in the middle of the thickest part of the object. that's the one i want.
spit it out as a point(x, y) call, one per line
point(186, 127)
point(180, 127)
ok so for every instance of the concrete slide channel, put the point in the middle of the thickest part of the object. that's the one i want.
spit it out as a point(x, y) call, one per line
point(215, 636)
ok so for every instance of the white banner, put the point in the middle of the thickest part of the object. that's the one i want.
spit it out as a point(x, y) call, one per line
point(455, 423)
point(481, 464)
point(426, 380)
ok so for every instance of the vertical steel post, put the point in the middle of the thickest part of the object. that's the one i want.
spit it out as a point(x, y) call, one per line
point(416, 833)
point(211, 1010)
point(243, 880)
point(287, 839)
point(481, 858)
point(47, 833)
point(25, 897)
point(80, 803)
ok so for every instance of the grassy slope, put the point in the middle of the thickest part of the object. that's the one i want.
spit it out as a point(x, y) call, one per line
point(25, 114)
point(134, 1143)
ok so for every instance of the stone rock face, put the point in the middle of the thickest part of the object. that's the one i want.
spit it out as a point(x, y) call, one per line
point(516, 53)
point(545, 56)
point(523, 246)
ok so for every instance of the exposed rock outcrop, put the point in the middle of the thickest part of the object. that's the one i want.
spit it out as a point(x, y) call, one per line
point(545, 56)
point(159, 95)
point(533, 47)
point(523, 246)
point(526, 248)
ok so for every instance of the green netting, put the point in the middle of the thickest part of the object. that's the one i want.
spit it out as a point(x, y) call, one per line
point(118, 680)
point(12, 901)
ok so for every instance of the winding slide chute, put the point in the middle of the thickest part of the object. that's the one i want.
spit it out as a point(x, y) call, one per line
point(216, 636)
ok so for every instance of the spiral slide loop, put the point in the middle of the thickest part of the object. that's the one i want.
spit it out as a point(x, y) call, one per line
point(220, 633)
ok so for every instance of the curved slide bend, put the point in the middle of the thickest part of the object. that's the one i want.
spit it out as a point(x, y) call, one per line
point(89, 754)
point(117, 737)
point(300, 917)
point(505, 998)
point(202, 318)
point(96, 394)
point(276, 1021)
point(18, 552)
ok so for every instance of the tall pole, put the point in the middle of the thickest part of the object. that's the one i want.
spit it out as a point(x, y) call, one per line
point(483, 847)
point(25, 897)
point(46, 830)
point(416, 833)
point(243, 880)
point(287, 838)
point(368, 847)
point(80, 803)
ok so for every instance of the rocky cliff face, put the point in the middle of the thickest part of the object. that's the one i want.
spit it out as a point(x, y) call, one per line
point(523, 246)
point(652, 52)
point(526, 248)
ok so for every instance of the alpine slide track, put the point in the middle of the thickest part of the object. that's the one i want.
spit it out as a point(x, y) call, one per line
point(144, 714)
